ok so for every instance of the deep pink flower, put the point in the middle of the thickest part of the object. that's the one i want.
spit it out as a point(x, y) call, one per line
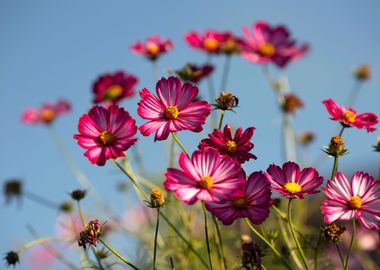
point(347, 200)
point(207, 176)
point(349, 117)
point(153, 47)
point(112, 87)
point(214, 42)
point(194, 73)
point(173, 110)
point(291, 182)
point(271, 44)
point(46, 114)
point(251, 201)
point(106, 133)
point(237, 147)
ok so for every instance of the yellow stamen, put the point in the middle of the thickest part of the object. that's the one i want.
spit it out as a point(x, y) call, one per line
point(355, 203)
point(349, 116)
point(266, 49)
point(47, 115)
point(210, 44)
point(230, 147)
point(230, 45)
point(171, 112)
point(206, 182)
point(153, 48)
point(113, 92)
point(292, 188)
point(106, 138)
point(240, 203)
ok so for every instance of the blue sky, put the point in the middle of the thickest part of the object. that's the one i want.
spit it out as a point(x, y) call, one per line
point(52, 49)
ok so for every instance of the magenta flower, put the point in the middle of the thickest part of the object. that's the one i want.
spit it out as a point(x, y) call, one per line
point(194, 73)
point(349, 117)
point(207, 176)
point(271, 44)
point(153, 47)
point(46, 114)
point(173, 110)
point(290, 182)
point(347, 200)
point(113, 87)
point(106, 133)
point(252, 201)
point(237, 147)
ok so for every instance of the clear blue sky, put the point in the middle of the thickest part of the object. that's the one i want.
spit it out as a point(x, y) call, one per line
point(51, 49)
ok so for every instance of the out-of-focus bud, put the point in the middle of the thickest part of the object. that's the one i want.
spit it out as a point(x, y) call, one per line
point(306, 138)
point(102, 254)
point(363, 72)
point(251, 253)
point(377, 146)
point(194, 73)
point(12, 189)
point(333, 232)
point(336, 147)
point(11, 258)
point(66, 207)
point(291, 103)
point(226, 101)
point(90, 234)
point(156, 198)
point(78, 194)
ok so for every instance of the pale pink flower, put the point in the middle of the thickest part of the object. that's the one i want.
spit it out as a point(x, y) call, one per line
point(174, 109)
point(207, 176)
point(153, 47)
point(46, 114)
point(251, 201)
point(358, 198)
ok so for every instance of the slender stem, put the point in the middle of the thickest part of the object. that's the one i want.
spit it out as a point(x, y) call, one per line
point(353, 94)
point(172, 153)
point(316, 252)
point(172, 264)
point(179, 143)
point(211, 88)
point(220, 244)
point(155, 239)
point(206, 233)
point(275, 251)
point(335, 168)
point(295, 236)
point(341, 131)
point(40, 200)
point(81, 215)
point(155, 71)
point(40, 241)
point(340, 255)
point(117, 254)
point(221, 119)
point(226, 69)
point(288, 138)
point(351, 244)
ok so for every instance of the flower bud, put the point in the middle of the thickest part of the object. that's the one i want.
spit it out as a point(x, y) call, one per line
point(251, 253)
point(12, 258)
point(363, 72)
point(156, 198)
point(377, 146)
point(336, 147)
point(333, 232)
point(226, 101)
point(78, 194)
point(306, 138)
point(291, 103)
point(66, 207)
point(90, 234)
point(12, 189)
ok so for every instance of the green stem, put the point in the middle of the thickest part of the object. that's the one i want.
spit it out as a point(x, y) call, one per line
point(316, 252)
point(275, 251)
point(40, 241)
point(220, 240)
point(351, 244)
point(172, 153)
point(340, 254)
point(155, 239)
point(81, 215)
point(117, 254)
point(335, 168)
point(179, 143)
point(341, 131)
point(206, 233)
point(295, 236)
point(221, 119)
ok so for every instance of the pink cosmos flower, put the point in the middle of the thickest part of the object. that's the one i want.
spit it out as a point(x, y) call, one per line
point(252, 201)
point(106, 133)
point(237, 147)
point(112, 87)
point(207, 176)
point(347, 200)
point(40, 258)
point(214, 42)
point(173, 110)
point(271, 44)
point(349, 117)
point(291, 182)
point(46, 114)
point(153, 47)
point(194, 73)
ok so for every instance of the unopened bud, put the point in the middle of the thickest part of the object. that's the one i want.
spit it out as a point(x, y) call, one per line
point(226, 101)
point(333, 232)
point(156, 198)
point(363, 72)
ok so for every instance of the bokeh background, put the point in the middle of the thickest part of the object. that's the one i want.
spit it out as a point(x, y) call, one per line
point(51, 49)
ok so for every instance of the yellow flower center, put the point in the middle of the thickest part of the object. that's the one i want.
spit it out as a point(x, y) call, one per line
point(106, 138)
point(355, 203)
point(230, 147)
point(210, 44)
point(47, 115)
point(153, 48)
point(266, 49)
point(349, 116)
point(292, 188)
point(240, 203)
point(206, 182)
point(229, 46)
point(171, 112)
point(114, 91)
